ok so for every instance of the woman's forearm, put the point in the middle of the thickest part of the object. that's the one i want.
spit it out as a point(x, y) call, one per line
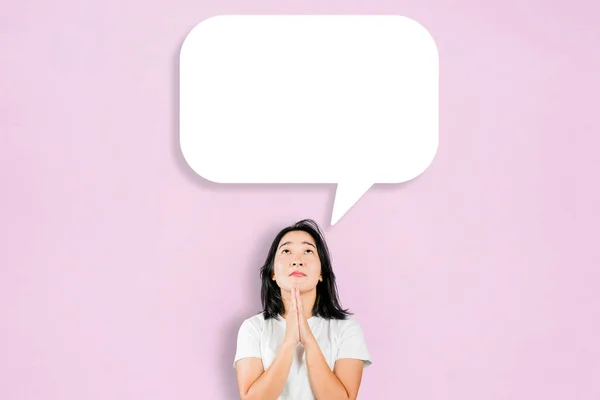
point(271, 383)
point(325, 385)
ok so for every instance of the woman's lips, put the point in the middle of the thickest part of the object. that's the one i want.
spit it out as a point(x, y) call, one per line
point(297, 273)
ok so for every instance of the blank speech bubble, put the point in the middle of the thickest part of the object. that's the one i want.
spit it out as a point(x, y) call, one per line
point(351, 100)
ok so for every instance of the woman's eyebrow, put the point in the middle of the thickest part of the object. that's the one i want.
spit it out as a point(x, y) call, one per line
point(286, 243)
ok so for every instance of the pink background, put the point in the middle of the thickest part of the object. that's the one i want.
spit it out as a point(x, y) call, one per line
point(123, 275)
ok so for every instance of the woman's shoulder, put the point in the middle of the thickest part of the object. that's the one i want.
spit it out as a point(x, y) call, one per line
point(349, 323)
point(255, 322)
point(348, 333)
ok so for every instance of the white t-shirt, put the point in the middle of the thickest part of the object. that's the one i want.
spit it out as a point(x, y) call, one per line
point(337, 339)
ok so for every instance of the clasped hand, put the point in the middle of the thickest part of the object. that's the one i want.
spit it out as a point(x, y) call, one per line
point(297, 329)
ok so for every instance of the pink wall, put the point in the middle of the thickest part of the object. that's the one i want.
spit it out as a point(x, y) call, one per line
point(123, 275)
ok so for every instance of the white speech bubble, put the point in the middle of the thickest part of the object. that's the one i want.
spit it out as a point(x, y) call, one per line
point(351, 100)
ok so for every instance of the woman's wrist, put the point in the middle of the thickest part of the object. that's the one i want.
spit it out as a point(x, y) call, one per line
point(289, 343)
point(310, 342)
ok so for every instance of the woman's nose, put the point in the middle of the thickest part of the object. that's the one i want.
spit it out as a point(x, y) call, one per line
point(297, 263)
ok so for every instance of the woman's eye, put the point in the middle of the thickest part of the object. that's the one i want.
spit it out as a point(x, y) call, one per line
point(285, 251)
point(309, 251)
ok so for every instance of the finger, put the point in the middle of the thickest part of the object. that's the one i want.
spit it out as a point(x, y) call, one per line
point(299, 301)
point(299, 309)
point(293, 298)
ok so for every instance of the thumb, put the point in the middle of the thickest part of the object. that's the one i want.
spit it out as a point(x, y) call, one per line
point(299, 301)
point(293, 298)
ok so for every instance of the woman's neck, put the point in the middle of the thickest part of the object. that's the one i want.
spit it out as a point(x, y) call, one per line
point(308, 302)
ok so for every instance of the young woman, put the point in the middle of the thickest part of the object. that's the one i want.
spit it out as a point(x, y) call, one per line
point(303, 346)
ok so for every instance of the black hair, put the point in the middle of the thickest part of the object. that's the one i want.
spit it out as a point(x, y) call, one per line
point(327, 304)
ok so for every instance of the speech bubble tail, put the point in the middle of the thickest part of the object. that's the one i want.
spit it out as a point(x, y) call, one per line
point(346, 195)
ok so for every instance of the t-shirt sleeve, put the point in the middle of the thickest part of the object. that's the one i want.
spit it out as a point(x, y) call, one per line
point(248, 341)
point(353, 344)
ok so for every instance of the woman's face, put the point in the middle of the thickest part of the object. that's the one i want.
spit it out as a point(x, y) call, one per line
point(297, 262)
